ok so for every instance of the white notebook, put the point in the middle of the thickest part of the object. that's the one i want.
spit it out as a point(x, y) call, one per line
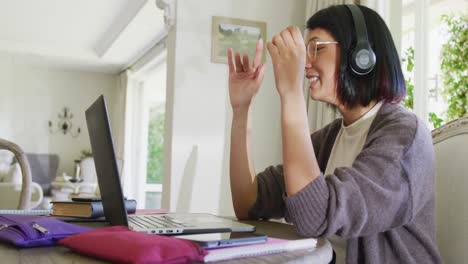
point(27, 212)
point(272, 246)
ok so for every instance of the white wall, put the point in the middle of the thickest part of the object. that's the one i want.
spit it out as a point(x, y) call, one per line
point(198, 109)
point(31, 95)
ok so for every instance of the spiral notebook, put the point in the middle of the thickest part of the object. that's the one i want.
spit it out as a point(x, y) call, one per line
point(272, 246)
point(27, 212)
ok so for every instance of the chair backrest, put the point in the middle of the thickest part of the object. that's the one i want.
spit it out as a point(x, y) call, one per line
point(451, 151)
point(44, 169)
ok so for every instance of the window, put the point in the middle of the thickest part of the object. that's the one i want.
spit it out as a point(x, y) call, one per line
point(145, 118)
point(423, 35)
point(155, 96)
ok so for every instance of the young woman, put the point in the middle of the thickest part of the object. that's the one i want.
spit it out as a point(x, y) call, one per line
point(365, 181)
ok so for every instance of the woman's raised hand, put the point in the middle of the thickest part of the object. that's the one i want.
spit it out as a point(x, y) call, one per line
point(288, 55)
point(245, 79)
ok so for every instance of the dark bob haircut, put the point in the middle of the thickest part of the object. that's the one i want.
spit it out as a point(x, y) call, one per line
point(385, 81)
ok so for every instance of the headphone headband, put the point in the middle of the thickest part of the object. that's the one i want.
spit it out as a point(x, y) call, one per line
point(359, 24)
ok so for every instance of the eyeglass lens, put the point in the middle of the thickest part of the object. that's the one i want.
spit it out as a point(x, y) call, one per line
point(312, 49)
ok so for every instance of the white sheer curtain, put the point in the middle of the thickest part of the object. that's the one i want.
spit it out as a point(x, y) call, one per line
point(319, 113)
point(130, 135)
point(380, 6)
point(391, 12)
point(131, 128)
point(123, 133)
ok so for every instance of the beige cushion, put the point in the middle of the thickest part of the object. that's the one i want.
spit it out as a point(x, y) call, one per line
point(451, 150)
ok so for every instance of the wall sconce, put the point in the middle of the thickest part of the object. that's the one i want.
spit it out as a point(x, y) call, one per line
point(64, 124)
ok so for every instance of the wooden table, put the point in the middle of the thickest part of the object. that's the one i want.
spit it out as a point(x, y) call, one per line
point(322, 254)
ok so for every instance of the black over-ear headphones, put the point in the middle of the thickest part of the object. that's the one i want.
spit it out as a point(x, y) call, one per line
point(362, 59)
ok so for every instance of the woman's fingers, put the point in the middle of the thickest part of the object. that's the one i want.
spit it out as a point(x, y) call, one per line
point(259, 73)
point(245, 62)
point(273, 50)
point(230, 61)
point(279, 43)
point(296, 35)
point(239, 67)
point(258, 54)
point(287, 39)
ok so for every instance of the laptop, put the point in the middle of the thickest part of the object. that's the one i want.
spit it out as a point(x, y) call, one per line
point(112, 196)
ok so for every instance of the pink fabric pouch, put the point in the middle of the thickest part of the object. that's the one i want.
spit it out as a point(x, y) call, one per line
point(118, 244)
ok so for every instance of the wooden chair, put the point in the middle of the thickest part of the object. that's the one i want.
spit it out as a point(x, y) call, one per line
point(25, 198)
point(451, 151)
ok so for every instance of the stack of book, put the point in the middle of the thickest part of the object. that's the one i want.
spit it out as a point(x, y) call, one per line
point(85, 209)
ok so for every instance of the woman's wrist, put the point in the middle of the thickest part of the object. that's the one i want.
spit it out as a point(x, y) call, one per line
point(293, 109)
point(240, 117)
point(291, 97)
point(291, 91)
point(240, 110)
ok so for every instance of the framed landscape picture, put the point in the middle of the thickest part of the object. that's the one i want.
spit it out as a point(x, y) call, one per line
point(239, 34)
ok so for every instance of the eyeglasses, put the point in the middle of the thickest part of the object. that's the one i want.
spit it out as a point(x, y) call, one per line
point(313, 46)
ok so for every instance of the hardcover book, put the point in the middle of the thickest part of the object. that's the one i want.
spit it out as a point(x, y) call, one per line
point(92, 209)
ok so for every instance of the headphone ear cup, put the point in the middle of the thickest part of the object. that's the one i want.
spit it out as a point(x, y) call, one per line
point(362, 60)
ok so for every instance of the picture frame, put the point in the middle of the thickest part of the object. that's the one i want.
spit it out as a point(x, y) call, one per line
point(239, 34)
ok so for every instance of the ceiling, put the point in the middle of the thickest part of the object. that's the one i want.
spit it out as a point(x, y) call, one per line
point(90, 35)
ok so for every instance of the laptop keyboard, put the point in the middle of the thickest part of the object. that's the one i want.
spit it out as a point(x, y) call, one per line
point(155, 221)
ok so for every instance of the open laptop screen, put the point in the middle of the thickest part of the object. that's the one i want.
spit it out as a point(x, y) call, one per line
point(106, 164)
